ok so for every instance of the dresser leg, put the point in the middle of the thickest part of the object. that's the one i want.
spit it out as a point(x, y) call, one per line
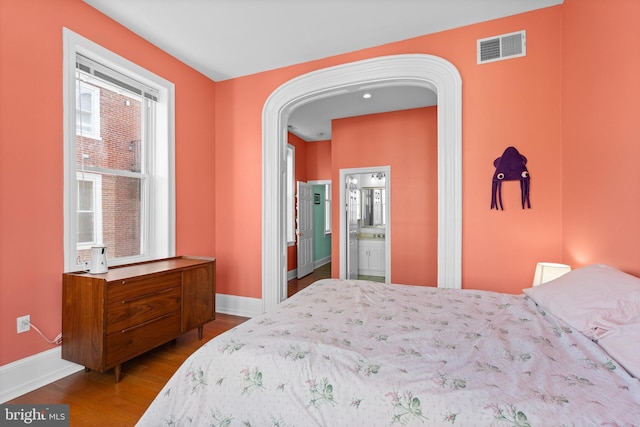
point(118, 372)
point(200, 331)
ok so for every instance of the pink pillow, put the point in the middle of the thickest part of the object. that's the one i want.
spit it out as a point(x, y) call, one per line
point(586, 294)
point(622, 343)
point(618, 333)
point(605, 322)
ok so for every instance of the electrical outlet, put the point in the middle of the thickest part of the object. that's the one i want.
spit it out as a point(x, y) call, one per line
point(24, 323)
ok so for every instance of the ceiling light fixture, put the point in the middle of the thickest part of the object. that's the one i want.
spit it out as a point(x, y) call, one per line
point(366, 95)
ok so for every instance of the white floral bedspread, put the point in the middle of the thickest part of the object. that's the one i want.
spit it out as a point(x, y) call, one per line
point(356, 353)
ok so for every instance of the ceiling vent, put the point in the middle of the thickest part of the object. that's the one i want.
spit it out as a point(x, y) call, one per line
point(502, 47)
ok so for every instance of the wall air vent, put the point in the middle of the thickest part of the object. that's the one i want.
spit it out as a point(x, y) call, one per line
point(506, 46)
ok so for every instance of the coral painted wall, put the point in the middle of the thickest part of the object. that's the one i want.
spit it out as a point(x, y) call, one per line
point(513, 102)
point(319, 160)
point(601, 133)
point(374, 140)
point(31, 157)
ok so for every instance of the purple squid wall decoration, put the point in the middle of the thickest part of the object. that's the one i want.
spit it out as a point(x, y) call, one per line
point(510, 166)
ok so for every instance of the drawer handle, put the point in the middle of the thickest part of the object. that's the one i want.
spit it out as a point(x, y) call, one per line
point(127, 301)
point(124, 331)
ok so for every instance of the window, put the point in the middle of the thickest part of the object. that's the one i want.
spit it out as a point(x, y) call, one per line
point(119, 183)
point(88, 111)
point(89, 217)
point(291, 178)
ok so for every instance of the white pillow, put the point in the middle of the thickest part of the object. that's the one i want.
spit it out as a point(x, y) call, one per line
point(586, 294)
point(622, 341)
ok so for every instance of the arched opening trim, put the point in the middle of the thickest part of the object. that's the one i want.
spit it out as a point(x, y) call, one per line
point(412, 69)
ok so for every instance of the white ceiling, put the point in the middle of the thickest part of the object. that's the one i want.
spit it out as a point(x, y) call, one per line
point(312, 121)
point(224, 39)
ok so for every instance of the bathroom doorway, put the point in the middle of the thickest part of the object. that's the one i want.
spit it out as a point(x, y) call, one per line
point(365, 246)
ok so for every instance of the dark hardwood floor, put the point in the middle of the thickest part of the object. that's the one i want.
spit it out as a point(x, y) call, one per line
point(322, 272)
point(96, 399)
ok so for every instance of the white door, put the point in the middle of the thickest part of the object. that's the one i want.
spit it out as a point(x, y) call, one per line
point(305, 228)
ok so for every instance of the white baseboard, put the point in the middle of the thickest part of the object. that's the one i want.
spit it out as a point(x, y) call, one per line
point(238, 306)
point(30, 373)
point(322, 261)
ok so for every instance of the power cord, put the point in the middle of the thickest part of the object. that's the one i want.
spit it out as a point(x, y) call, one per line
point(57, 340)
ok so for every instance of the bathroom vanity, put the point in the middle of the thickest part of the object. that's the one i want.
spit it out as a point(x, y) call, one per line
point(371, 255)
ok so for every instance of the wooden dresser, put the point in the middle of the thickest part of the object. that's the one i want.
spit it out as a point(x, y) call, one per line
point(113, 317)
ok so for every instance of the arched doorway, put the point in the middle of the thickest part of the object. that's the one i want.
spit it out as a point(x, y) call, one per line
point(423, 70)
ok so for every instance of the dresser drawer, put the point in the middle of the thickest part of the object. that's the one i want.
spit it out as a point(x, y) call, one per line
point(135, 310)
point(112, 317)
point(127, 289)
point(128, 343)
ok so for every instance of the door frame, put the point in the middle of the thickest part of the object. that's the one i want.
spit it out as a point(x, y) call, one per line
point(324, 182)
point(343, 217)
point(421, 70)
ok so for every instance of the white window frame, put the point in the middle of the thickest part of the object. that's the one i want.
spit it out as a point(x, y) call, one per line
point(94, 132)
point(158, 232)
point(97, 207)
point(290, 199)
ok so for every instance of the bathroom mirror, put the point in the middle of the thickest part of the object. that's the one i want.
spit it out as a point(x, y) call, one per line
point(373, 207)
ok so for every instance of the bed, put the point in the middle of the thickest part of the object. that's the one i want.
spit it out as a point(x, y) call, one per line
point(349, 352)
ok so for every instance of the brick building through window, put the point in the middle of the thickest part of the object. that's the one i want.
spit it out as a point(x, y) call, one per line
point(114, 147)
